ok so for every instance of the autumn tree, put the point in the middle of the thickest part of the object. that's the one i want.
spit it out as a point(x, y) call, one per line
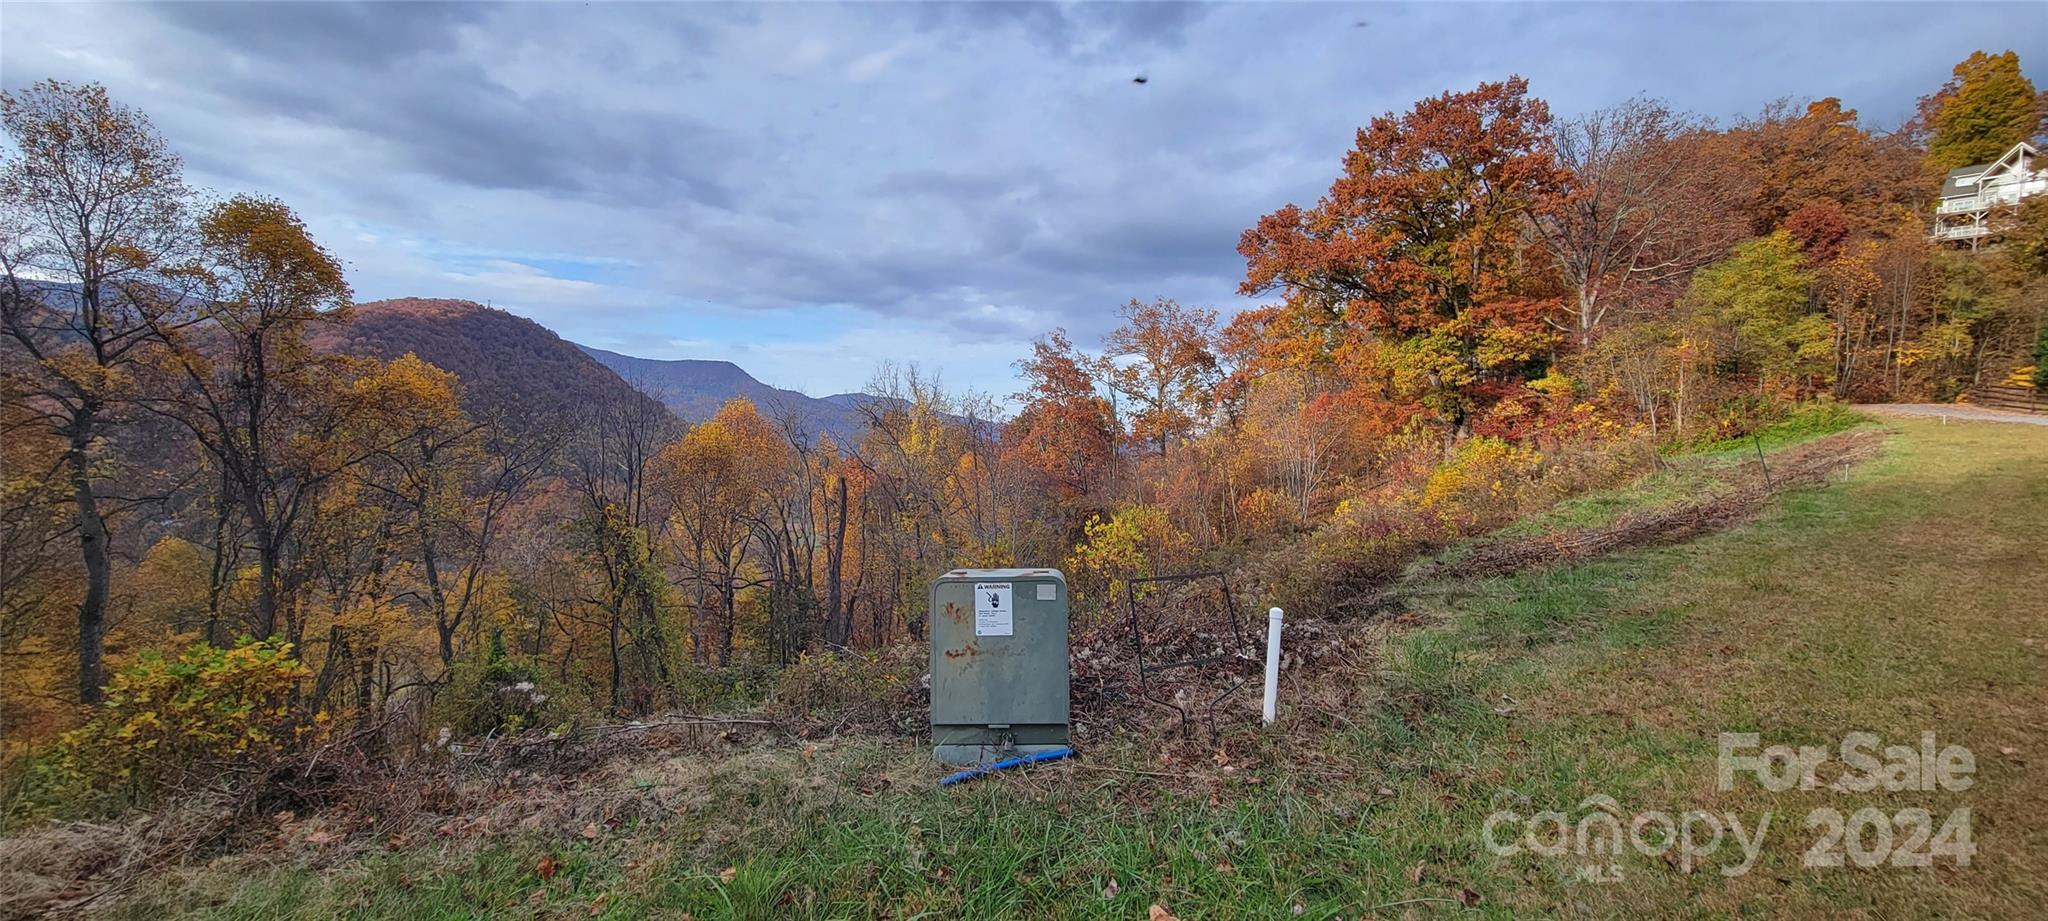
point(1983, 110)
point(1645, 206)
point(1065, 433)
point(1411, 261)
point(607, 468)
point(94, 210)
point(1787, 158)
point(713, 483)
point(836, 506)
point(1967, 313)
point(787, 532)
point(451, 480)
point(39, 570)
point(1162, 358)
point(1299, 430)
point(2026, 240)
point(275, 416)
point(1758, 299)
point(925, 455)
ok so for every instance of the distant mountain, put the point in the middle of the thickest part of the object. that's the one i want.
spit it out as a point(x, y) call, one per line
point(508, 364)
point(694, 389)
point(512, 366)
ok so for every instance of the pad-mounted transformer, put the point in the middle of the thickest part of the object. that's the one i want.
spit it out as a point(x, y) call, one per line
point(999, 664)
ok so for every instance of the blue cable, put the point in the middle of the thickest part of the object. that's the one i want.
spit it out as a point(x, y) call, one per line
point(971, 773)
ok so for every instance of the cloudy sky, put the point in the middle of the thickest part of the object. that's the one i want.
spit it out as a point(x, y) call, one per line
point(808, 189)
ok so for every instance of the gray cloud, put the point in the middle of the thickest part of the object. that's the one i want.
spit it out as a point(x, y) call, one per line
point(401, 76)
point(788, 182)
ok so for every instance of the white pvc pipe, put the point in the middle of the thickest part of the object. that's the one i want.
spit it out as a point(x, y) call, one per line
point(1274, 619)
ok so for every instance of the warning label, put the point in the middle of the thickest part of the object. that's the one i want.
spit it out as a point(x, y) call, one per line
point(992, 609)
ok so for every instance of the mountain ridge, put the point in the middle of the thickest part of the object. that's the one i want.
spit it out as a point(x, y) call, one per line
point(695, 388)
point(515, 367)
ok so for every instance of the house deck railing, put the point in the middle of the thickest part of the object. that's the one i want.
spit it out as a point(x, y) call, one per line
point(1960, 231)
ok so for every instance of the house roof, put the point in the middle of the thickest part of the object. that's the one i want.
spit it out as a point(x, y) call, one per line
point(1953, 186)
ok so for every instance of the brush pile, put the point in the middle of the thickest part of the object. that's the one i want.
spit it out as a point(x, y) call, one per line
point(1744, 495)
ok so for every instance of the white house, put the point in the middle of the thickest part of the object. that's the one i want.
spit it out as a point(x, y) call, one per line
point(1972, 194)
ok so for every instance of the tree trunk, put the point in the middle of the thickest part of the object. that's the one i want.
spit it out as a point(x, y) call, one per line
point(729, 600)
point(265, 624)
point(430, 562)
point(92, 543)
point(839, 617)
point(221, 573)
point(618, 666)
point(366, 682)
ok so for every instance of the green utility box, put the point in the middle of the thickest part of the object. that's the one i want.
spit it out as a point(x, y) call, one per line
point(999, 664)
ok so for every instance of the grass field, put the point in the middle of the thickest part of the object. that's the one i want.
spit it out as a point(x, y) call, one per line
point(1909, 598)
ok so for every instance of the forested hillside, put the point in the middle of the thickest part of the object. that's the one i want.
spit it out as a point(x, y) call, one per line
point(505, 364)
point(244, 518)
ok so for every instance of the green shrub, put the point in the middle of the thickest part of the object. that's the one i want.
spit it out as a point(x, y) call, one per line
point(1797, 423)
point(498, 695)
point(737, 686)
point(1363, 547)
point(169, 721)
point(1133, 541)
point(832, 683)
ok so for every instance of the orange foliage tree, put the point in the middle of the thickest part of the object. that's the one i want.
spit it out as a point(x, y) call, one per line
point(1407, 270)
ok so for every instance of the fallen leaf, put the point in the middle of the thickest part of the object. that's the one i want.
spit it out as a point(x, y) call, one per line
point(590, 831)
point(1415, 873)
point(547, 868)
point(597, 904)
point(1468, 898)
point(1110, 891)
point(1160, 914)
point(726, 875)
point(322, 837)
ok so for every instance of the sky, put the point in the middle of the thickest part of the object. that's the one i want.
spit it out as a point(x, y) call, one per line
point(811, 189)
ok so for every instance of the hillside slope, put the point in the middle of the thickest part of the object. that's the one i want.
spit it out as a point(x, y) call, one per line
point(508, 364)
point(1902, 597)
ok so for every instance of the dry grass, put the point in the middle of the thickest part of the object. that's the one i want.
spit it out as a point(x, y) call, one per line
point(1908, 600)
